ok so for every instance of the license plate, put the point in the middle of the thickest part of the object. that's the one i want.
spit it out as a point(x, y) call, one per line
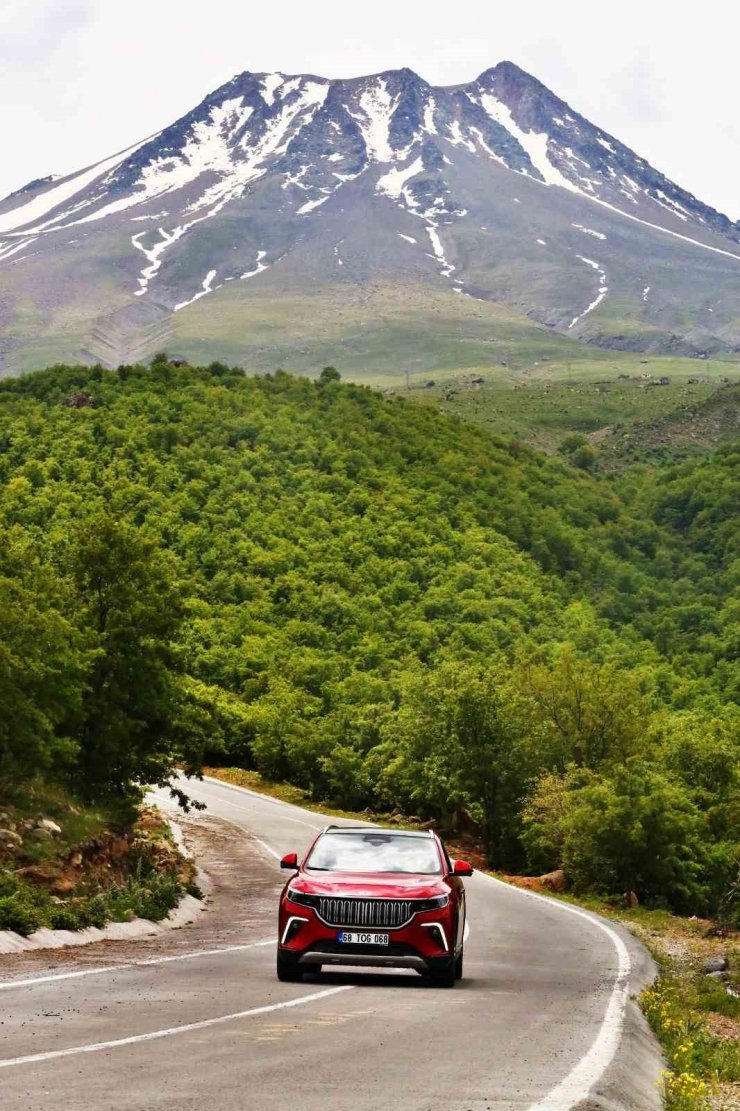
point(354, 938)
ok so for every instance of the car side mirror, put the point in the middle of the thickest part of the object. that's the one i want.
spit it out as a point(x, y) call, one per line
point(290, 861)
point(462, 868)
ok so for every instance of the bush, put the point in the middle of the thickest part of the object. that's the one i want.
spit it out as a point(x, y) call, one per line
point(65, 918)
point(20, 916)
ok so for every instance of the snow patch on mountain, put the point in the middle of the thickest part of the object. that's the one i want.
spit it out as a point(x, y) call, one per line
point(13, 248)
point(439, 251)
point(374, 122)
point(151, 216)
point(429, 125)
point(43, 204)
point(206, 288)
point(259, 266)
point(153, 255)
point(393, 182)
point(271, 83)
point(309, 206)
point(456, 137)
point(602, 291)
point(533, 142)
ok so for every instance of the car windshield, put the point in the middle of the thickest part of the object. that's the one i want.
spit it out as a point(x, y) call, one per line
point(375, 852)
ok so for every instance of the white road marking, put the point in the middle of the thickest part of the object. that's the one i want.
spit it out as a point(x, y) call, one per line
point(205, 953)
point(581, 1079)
point(222, 783)
point(242, 829)
point(171, 1031)
point(251, 810)
point(8, 985)
point(269, 849)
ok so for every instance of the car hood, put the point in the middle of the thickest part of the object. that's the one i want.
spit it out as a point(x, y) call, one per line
point(375, 885)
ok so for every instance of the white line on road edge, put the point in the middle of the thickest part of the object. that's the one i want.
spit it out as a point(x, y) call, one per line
point(265, 846)
point(575, 1087)
point(263, 798)
point(243, 829)
point(95, 1047)
point(7, 985)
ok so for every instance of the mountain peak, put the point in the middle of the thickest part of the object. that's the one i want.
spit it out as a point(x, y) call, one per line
point(495, 191)
point(506, 68)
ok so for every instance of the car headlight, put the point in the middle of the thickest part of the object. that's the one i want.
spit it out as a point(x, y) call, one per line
point(302, 897)
point(435, 903)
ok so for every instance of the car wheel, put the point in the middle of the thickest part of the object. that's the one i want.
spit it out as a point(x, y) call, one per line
point(445, 976)
point(459, 966)
point(287, 970)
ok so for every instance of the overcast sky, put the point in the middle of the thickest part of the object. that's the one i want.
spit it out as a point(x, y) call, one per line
point(81, 79)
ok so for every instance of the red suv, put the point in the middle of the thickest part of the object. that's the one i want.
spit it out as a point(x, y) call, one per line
point(368, 896)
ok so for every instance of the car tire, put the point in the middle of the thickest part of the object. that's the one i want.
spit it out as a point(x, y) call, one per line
point(459, 966)
point(446, 976)
point(288, 971)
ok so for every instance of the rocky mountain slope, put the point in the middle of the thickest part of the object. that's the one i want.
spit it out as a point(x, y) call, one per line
point(381, 222)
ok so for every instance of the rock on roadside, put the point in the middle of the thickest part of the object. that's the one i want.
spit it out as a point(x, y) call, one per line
point(554, 881)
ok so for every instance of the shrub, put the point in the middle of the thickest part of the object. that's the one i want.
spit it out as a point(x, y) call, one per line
point(19, 915)
point(65, 918)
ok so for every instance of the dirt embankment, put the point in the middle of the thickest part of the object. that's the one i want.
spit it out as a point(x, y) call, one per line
point(241, 906)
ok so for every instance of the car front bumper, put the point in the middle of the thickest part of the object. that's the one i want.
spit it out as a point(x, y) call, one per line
point(425, 944)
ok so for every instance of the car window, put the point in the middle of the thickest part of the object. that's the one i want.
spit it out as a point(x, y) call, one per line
point(375, 852)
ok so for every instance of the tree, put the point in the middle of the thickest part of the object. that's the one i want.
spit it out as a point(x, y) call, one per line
point(129, 608)
point(636, 830)
point(329, 374)
point(42, 668)
point(544, 815)
point(457, 749)
point(595, 713)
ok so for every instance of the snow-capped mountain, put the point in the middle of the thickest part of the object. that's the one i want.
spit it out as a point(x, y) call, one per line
point(284, 209)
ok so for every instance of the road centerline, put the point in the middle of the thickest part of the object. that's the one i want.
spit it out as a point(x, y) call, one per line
point(170, 1031)
point(8, 985)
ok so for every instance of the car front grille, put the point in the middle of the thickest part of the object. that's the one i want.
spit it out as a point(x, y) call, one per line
point(386, 914)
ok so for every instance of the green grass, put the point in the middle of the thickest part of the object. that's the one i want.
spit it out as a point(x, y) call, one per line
point(542, 413)
point(700, 1063)
point(30, 801)
point(387, 335)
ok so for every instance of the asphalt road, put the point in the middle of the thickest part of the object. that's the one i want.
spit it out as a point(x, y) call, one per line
point(542, 1021)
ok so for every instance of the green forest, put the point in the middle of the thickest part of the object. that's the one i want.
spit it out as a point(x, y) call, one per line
point(381, 604)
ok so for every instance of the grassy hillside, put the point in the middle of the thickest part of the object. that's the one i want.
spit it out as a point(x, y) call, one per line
point(379, 603)
point(622, 408)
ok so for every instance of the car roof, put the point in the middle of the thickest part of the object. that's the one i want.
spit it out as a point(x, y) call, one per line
point(378, 830)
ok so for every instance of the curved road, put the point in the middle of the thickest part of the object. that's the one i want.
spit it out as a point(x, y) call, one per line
point(542, 1021)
